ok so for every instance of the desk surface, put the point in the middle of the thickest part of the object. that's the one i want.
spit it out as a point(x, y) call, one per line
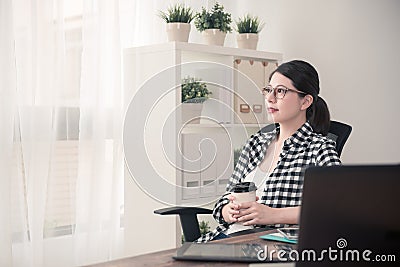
point(164, 258)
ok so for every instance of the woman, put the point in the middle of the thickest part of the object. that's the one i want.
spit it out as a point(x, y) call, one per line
point(280, 157)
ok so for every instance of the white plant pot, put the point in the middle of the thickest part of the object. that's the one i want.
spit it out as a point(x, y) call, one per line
point(247, 40)
point(178, 32)
point(191, 112)
point(214, 37)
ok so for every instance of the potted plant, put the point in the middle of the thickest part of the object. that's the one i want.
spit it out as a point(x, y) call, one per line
point(194, 93)
point(204, 227)
point(248, 28)
point(213, 24)
point(178, 18)
point(194, 90)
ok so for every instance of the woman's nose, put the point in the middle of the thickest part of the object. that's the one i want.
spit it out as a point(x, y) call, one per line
point(270, 98)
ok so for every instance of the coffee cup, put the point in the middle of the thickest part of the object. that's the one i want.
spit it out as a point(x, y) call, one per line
point(244, 192)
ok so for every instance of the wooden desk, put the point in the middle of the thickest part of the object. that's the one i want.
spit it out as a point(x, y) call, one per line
point(164, 258)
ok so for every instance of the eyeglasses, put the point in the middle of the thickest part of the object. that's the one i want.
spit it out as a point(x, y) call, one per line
point(279, 91)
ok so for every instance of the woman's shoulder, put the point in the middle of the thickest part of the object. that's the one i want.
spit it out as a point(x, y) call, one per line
point(321, 140)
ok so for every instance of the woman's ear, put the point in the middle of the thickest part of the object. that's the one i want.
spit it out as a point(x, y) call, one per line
point(307, 102)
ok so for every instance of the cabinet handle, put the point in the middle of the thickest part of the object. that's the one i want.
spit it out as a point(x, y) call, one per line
point(244, 108)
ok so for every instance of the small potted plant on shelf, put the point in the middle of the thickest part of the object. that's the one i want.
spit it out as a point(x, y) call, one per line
point(248, 28)
point(214, 24)
point(194, 90)
point(178, 18)
point(194, 93)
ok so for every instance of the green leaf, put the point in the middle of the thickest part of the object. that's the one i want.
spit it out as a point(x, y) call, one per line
point(249, 24)
point(177, 13)
point(193, 90)
point(217, 18)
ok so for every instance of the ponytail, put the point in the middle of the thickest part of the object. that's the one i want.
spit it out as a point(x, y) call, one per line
point(318, 116)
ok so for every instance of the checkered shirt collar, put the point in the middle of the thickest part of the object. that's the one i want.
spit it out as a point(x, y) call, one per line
point(297, 139)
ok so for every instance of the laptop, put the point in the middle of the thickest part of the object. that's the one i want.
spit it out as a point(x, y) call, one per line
point(219, 252)
point(350, 216)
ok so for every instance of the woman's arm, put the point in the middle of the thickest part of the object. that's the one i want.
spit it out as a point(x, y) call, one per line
point(327, 155)
point(252, 213)
point(217, 212)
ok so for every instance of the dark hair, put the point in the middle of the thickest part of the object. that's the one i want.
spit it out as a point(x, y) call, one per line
point(305, 78)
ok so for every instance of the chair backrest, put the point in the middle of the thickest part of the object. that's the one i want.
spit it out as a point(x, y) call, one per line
point(338, 132)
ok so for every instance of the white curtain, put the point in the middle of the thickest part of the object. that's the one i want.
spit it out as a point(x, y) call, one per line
point(61, 185)
point(62, 107)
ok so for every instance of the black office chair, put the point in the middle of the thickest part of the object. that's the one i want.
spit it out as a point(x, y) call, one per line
point(338, 132)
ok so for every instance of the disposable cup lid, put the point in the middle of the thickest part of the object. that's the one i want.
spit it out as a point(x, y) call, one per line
point(244, 187)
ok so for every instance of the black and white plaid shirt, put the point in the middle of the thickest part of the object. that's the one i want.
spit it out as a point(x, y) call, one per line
point(283, 187)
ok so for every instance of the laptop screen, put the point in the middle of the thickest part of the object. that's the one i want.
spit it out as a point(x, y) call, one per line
point(350, 215)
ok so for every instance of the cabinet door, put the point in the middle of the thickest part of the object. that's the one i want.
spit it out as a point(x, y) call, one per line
point(207, 163)
point(225, 162)
point(217, 163)
point(191, 166)
point(250, 77)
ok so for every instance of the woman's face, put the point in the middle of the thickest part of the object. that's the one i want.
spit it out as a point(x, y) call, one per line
point(291, 108)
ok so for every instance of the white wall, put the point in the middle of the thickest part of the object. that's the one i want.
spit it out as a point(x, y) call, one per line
point(354, 44)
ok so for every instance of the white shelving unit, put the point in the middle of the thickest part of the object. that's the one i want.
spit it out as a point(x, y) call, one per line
point(189, 164)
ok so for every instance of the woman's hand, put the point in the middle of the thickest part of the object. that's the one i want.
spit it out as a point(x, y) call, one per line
point(252, 213)
point(230, 210)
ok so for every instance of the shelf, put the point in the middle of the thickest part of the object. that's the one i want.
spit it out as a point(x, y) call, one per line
point(227, 125)
point(209, 49)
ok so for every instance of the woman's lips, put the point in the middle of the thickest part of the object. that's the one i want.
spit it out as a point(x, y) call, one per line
point(272, 110)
